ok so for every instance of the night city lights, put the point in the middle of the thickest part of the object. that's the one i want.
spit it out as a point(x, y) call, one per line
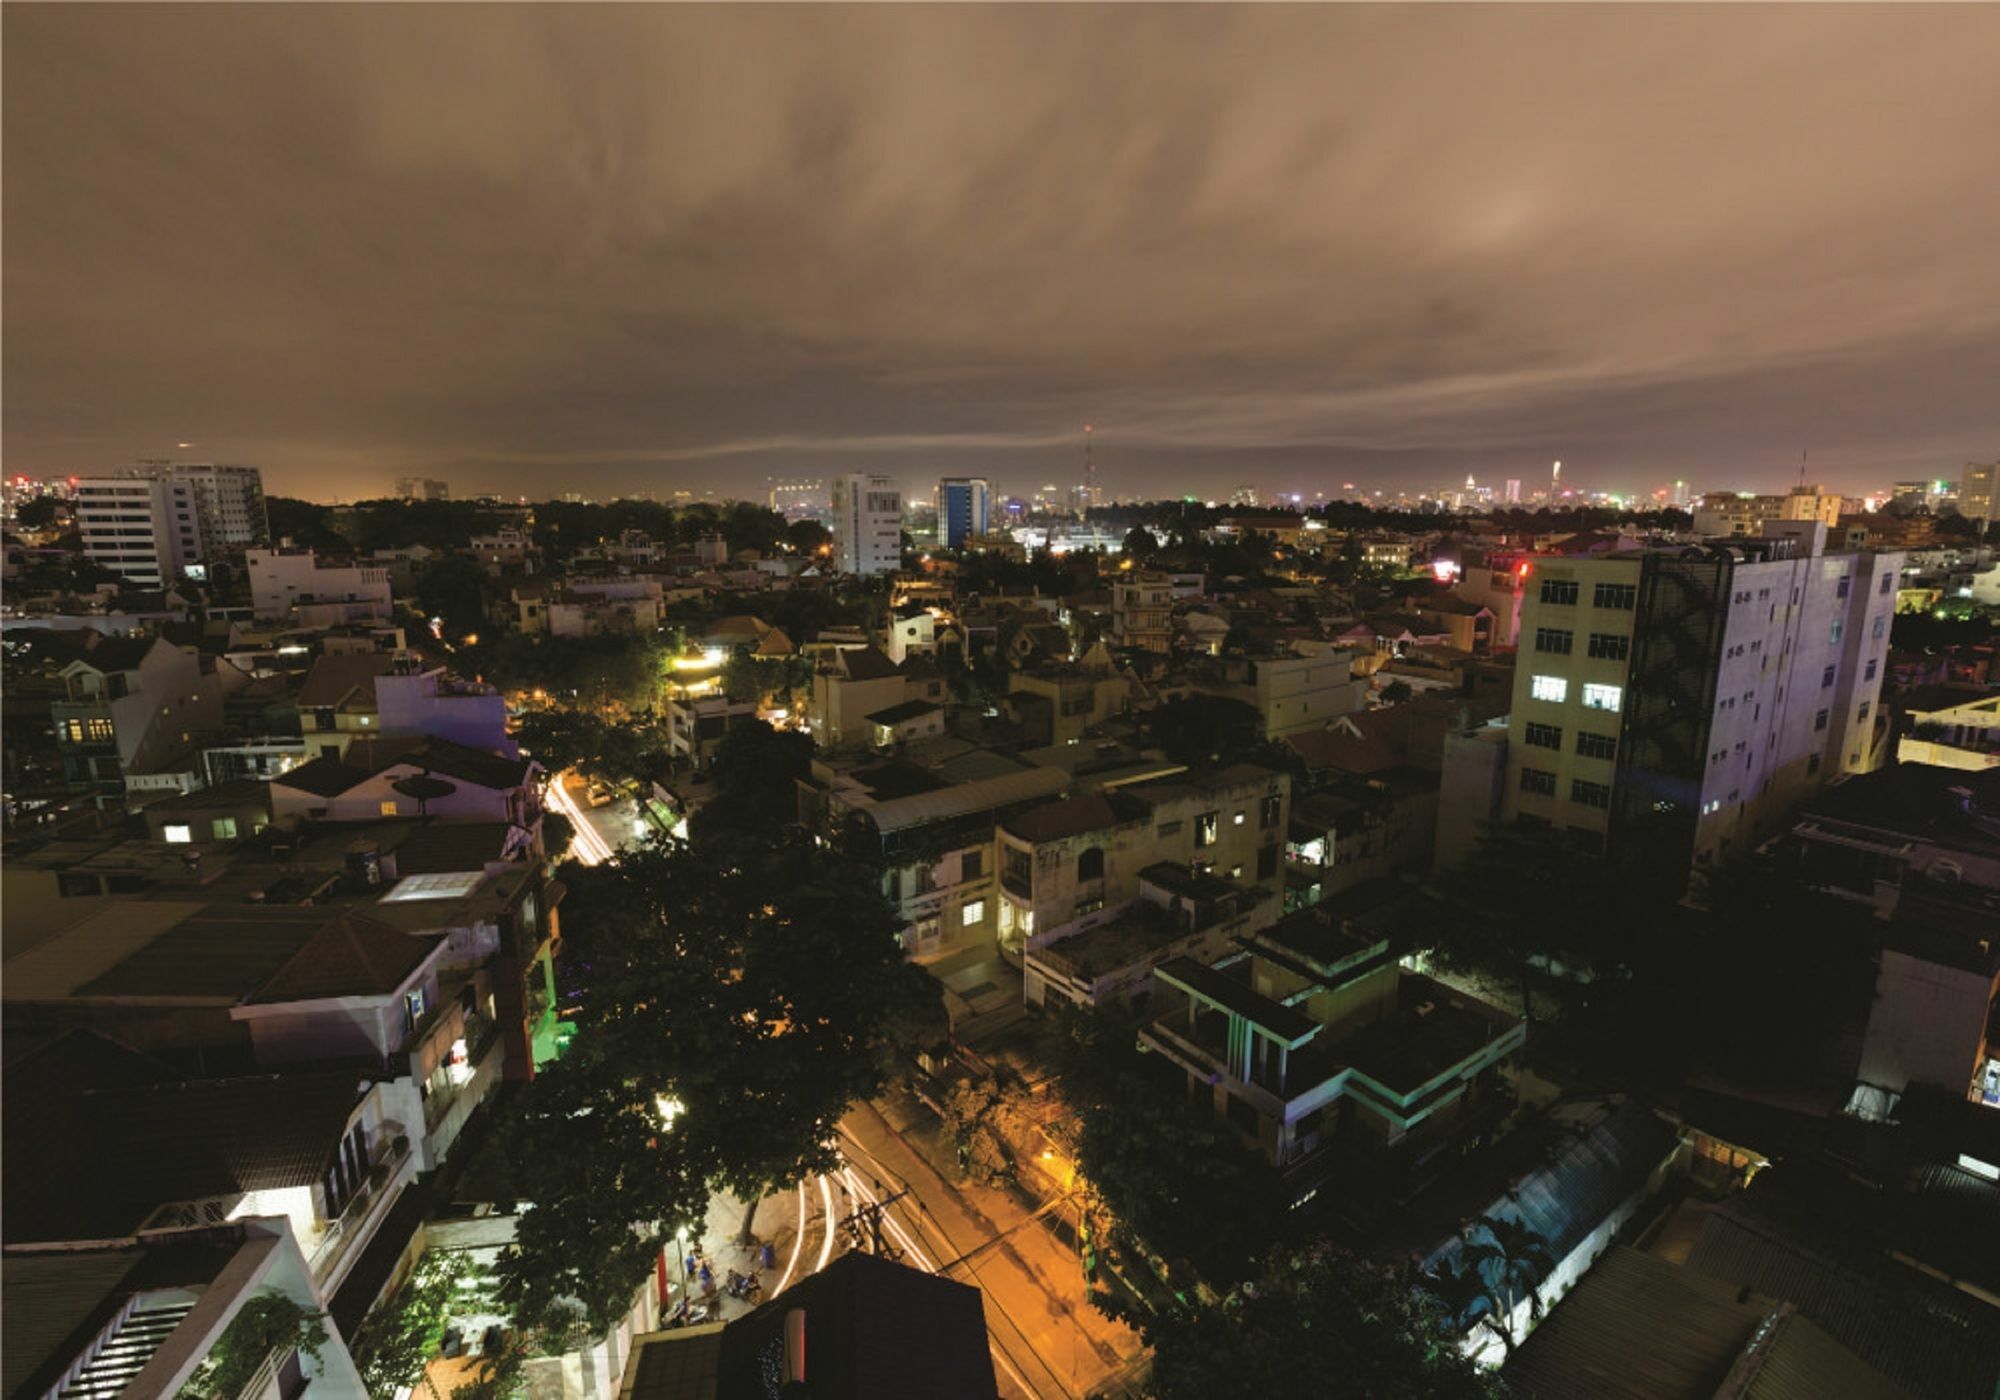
point(1063, 702)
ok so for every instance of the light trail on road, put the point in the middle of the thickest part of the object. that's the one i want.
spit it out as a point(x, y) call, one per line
point(916, 1252)
point(587, 845)
point(798, 1243)
point(826, 1196)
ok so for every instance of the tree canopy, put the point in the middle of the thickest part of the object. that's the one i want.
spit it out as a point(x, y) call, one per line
point(1176, 1180)
point(1317, 1322)
point(733, 998)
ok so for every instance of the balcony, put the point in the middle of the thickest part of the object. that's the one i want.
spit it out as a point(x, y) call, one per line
point(338, 1242)
point(480, 1036)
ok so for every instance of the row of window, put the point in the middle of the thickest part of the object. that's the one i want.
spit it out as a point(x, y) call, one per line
point(1550, 736)
point(1568, 592)
point(1555, 689)
point(1604, 646)
point(1543, 783)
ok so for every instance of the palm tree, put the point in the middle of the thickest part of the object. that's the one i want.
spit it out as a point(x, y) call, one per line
point(1484, 1282)
point(1512, 1262)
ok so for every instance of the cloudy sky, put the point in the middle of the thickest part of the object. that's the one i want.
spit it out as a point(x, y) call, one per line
point(532, 249)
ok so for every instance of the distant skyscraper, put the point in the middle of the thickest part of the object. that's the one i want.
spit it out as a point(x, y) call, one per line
point(422, 488)
point(867, 524)
point(1513, 491)
point(963, 506)
point(1975, 491)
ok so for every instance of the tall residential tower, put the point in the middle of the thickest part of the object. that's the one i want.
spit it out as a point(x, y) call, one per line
point(867, 524)
point(1689, 699)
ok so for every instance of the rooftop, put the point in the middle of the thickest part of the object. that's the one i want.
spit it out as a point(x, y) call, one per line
point(93, 1164)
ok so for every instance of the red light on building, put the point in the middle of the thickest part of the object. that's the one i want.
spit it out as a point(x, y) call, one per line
point(1522, 572)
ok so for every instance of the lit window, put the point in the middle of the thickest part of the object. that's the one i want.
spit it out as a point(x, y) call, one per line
point(1238, 820)
point(1205, 829)
point(224, 828)
point(1554, 688)
point(389, 808)
point(972, 913)
point(177, 835)
point(1603, 697)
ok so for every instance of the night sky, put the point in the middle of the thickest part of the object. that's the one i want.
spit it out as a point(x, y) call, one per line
point(554, 248)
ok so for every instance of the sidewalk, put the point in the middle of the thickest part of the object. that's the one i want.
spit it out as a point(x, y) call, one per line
point(777, 1225)
point(1037, 1306)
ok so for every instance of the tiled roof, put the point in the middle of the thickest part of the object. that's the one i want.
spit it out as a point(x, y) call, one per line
point(866, 664)
point(488, 770)
point(322, 777)
point(1075, 816)
point(95, 1164)
point(349, 956)
point(333, 678)
point(118, 654)
point(234, 954)
point(441, 847)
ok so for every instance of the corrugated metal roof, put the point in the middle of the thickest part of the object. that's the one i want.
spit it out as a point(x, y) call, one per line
point(1636, 1328)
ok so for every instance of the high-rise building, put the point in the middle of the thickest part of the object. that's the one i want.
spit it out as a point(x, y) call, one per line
point(228, 499)
point(963, 506)
point(867, 524)
point(1513, 491)
point(1685, 701)
point(145, 529)
point(422, 488)
point(1975, 491)
point(152, 522)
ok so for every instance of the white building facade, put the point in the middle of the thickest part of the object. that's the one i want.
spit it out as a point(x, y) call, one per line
point(1696, 696)
point(867, 524)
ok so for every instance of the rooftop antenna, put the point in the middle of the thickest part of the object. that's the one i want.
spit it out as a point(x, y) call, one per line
point(1089, 472)
point(1804, 453)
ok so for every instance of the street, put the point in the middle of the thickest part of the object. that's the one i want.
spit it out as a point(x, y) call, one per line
point(1048, 1342)
point(600, 831)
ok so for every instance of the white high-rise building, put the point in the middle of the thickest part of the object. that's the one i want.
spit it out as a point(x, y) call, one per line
point(145, 529)
point(228, 499)
point(867, 524)
point(1688, 700)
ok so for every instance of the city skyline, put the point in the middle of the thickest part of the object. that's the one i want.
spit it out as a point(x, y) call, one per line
point(1314, 246)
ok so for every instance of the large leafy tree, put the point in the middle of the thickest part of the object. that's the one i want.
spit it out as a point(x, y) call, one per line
point(454, 589)
point(1529, 906)
point(1175, 1181)
point(757, 770)
point(1318, 1322)
point(733, 998)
